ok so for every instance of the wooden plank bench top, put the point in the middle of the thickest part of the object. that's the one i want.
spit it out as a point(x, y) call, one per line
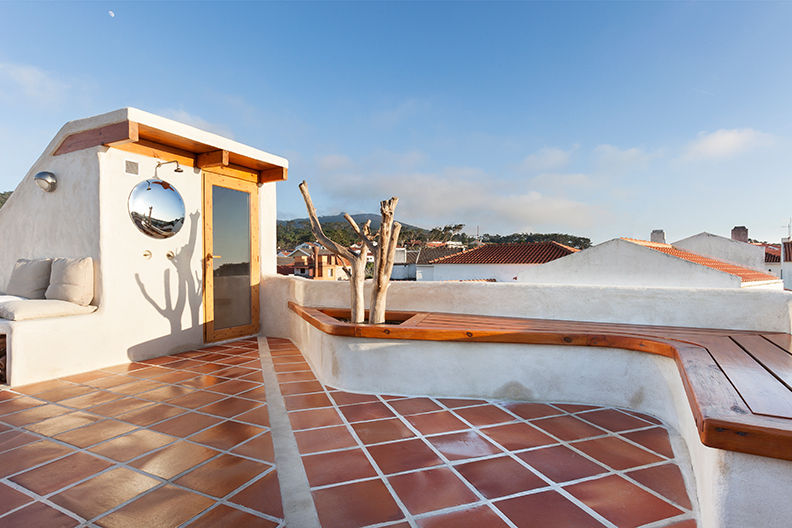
point(738, 383)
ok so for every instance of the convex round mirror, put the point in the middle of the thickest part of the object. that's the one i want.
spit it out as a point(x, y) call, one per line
point(156, 208)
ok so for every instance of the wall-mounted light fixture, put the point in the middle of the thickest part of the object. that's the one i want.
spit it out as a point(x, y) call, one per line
point(46, 181)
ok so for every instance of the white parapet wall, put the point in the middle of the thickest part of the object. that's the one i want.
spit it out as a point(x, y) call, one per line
point(733, 489)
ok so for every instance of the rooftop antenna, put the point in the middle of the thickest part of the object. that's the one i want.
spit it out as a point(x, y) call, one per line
point(789, 228)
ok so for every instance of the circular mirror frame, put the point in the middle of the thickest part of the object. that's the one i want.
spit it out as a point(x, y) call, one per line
point(156, 208)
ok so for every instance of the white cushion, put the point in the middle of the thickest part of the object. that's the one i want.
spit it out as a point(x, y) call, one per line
point(38, 308)
point(30, 278)
point(4, 298)
point(71, 280)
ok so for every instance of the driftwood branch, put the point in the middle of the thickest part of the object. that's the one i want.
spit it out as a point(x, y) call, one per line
point(316, 227)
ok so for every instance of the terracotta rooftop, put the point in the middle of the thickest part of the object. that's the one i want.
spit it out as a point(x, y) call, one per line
point(772, 252)
point(787, 251)
point(528, 253)
point(745, 274)
point(425, 255)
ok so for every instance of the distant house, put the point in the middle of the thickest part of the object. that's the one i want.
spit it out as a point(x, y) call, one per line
point(416, 264)
point(499, 262)
point(735, 250)
point(306, 249)
point(786, 264)
point(632, 262)
point(772, 258)
point(322, 265)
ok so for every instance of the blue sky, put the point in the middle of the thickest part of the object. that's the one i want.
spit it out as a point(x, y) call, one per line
point(598, 119)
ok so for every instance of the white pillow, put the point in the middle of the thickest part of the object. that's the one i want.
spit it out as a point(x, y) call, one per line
point(71, 280)
point(38, 308)
point(30, 278)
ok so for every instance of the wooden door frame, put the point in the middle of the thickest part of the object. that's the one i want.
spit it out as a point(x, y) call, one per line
point(210, 334)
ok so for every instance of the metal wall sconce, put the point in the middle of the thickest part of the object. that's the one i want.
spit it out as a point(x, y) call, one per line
point(46, 181)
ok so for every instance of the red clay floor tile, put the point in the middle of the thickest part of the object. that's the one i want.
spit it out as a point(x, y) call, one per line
point(151, 414)
point(380, 431)
point(304, 401)
point(186, 424)
point(132, 445)
point(484, 415)
point(612, 420)
point(263, 496)
point(64, 422)
point(101, 493)
point(30, 455)
point(574, 407)
point(453, 403)
point(517, 436)
point(337, 466)
point(314, 418)
point(14, 439)
point(405, 455)
point(436, 422)
point(11, 499)
point(365, 411)
point(229, 407)
point(257, 416)
point(655, 439)
point(36, 414)
point(94, 433)
point(260, 448)
point(545, 509)
point(226, 435)
point(60, 473)
point(616, 453)
point(407, 406)
point(666, 480)
point(479, 517)
point(501, 476)
point(222, 475)
point(561, 464)
point(622, 503)
point(529, 411)
point(568, 428)
point(355, 505)
point(430, 490)
point(325, 439)
point(197, 399)
point(38, 514)
point(351, 398)
point(156, 508)
point(227, 517)
point(459, 446)
point(174, 459)
point(300, 387)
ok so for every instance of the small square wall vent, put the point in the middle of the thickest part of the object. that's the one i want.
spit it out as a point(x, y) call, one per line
point(131, 167)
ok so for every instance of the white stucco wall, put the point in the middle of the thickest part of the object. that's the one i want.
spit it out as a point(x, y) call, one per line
point(618, 262)
point(786, 275)
point(499, 272)
point(147, 307)
point(725, 249)
point(424, 272)
point(733, 489)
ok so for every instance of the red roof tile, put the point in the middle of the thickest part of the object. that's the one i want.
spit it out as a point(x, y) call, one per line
point(772, 251)
point(787, 251)
point(529, 253)
point(745, 274)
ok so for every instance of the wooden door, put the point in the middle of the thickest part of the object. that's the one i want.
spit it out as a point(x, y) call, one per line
point(232, 269)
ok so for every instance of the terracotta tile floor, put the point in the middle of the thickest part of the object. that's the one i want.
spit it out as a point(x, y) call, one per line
point(185, 440)
point(174, 441)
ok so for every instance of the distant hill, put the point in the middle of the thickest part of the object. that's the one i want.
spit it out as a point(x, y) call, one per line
point(360, 218)
point(3, 197)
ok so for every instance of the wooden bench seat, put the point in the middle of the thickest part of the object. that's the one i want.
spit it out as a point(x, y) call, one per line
point(738, 383)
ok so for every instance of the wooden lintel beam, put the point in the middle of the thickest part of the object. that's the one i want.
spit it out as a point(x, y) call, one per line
point(215, 158)
point(274, 174)
point(108, 135)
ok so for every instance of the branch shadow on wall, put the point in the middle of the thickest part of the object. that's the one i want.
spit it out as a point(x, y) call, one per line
point(189, 290)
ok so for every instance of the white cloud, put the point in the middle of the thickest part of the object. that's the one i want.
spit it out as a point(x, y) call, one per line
point(459, 194)
point(563, 182)
point(198, 122)
point(30, 82)
point(546, 159)
point(612, 159)
point(334, 162)
point(726, 143)
point(395, 115)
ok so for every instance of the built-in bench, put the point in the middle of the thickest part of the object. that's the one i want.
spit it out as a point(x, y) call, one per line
point(737, 382)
